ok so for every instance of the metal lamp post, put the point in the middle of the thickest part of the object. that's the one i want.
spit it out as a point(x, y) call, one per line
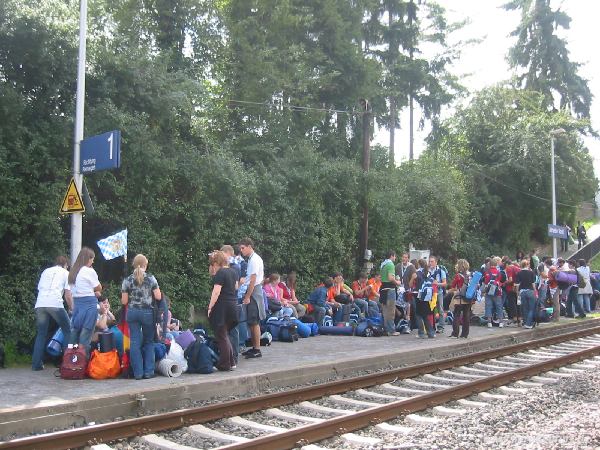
point(553, 134)
point(76, 219)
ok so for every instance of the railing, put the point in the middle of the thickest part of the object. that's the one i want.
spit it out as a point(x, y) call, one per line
point(588, 251)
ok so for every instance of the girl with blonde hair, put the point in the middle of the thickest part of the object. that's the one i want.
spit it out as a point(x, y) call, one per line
point(138, 293)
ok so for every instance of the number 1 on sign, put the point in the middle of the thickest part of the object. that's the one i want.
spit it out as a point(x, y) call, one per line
point(110, 141)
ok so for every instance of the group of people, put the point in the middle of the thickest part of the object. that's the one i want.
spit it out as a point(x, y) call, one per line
point(404, 296)
point(580, 234)
point(90, 312)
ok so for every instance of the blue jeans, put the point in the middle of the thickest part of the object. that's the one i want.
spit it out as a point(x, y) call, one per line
point(528, 306)
point(493, 303)
point(83, 322)
point(440, 309)
point(583, 300)
point(542, 293)
point(338, 315)
point(319, 313)
point(42, 321)
point(389, 311)
point(141, 335)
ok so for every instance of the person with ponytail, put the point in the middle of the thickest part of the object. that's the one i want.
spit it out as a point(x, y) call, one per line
point(85, 289)
point(138, 293)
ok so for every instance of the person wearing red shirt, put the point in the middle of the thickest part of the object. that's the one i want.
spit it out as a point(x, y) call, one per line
point(511, 294)
point(462, 306)
point(494, 279)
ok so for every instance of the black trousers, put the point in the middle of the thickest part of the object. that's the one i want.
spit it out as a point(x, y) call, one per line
point(462, 316)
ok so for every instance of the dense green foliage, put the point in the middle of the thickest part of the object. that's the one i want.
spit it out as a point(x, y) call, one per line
point(543, 57)
point(501, 141)
point(215, 146)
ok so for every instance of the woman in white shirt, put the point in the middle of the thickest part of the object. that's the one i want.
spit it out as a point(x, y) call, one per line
point(53, 285)
point(584, 293)
point(85, 289)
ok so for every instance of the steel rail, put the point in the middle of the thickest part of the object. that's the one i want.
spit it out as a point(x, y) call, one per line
point(108, 432)
point(316, 432)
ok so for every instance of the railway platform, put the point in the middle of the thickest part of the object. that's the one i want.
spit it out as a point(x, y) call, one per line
point(39, 401)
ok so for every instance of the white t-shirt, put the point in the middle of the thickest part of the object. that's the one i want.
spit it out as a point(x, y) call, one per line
point(53, 282)
point(86, 281)
point(255, 266)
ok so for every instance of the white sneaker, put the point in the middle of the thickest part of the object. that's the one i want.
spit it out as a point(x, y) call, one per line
point(489, 324)
point(501, 325)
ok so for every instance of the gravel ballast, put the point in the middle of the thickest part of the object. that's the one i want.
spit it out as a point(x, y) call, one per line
point(565, 415)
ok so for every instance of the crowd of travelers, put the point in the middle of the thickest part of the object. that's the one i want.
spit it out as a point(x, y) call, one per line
point(403, 297)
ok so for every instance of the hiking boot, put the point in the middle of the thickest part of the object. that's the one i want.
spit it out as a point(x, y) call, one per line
point(253, 353)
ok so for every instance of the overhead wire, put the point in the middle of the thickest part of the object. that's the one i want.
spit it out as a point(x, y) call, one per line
point(295, 107)
point(338, 111)
point(528, 193)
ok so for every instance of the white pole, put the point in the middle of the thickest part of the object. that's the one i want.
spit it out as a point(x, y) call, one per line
point(553, 182)
point(553, 135)
point(76, 218)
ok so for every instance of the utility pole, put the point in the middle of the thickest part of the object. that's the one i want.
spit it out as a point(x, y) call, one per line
point(366, 159)
point(553, 135)
point(77, 218)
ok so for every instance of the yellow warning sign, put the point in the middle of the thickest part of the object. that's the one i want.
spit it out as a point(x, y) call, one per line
point(72, 202)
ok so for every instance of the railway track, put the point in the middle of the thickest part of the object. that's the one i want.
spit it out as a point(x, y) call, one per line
point(298, 417)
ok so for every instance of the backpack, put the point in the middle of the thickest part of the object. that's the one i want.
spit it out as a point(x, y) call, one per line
point(473, 286)
point(74, 364)
point(283, 330)
point(493, 288)
point(462, 292)
point(199, 358)
point(426, 290)
point(580, 280)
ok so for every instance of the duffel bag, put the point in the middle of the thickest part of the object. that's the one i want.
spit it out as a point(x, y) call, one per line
point(338, 331)
point(302, 328)
point(104, 365)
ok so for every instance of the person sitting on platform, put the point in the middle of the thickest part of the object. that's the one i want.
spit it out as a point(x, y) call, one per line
point(375, 283)
point(106, 323)
point(277, 305)
point(289, 294)
point(362, 291)
point(318, 301)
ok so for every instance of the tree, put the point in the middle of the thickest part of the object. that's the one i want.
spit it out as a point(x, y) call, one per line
point(544, 58)
point(282, 56)
point(501, 142)
point(394, 33)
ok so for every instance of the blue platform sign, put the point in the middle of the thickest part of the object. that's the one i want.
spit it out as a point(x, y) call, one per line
point(558, 232)
point(101, 152)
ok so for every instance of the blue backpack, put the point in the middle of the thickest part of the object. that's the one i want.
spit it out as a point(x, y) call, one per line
point(199, 357)
point(283, 330)
point(426, 290)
